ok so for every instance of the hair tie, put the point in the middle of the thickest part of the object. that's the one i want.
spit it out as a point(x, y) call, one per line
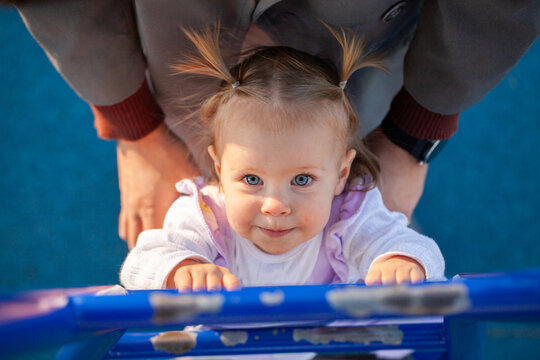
point(342, 84)
point(236, 84)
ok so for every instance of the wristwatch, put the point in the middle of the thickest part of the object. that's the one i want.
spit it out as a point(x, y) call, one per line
point(423, 150)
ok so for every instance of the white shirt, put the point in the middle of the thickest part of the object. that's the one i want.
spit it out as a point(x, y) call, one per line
point(255, 267)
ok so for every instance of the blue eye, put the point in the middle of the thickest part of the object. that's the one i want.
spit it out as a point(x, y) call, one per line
point(302, 180)
point(252, 180)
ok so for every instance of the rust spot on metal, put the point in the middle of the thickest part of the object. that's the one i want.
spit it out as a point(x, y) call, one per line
point(389, 334)
point(272, 298)
point(175, 342)
point(174, 308)
point(433, 299)
point(233, 338)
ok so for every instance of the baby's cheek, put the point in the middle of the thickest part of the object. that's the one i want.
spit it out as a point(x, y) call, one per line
point(314, 218)
point(239, 216)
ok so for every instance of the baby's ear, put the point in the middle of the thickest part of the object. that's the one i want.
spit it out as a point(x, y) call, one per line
point(344, 170)
point(215, 158)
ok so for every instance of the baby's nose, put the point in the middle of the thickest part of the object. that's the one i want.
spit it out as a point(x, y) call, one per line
point(275, 207)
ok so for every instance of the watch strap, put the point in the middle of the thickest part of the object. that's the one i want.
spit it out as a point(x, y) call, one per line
point(422, 150)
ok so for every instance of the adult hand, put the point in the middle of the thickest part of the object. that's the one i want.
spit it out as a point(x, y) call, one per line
point(402, 177)
point(147, 171)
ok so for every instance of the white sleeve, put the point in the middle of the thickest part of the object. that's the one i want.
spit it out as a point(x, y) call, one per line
point(185, 235)
point(377, 232)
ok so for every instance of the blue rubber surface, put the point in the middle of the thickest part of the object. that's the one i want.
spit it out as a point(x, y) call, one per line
point(59, 197)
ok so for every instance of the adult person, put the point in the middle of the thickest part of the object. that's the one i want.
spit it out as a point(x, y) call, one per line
point(443, 57)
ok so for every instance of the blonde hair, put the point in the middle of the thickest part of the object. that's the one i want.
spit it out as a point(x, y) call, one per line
point(284, 77)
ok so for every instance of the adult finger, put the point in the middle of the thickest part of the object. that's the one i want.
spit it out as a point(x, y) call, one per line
point(122, 225)
point(134, 228)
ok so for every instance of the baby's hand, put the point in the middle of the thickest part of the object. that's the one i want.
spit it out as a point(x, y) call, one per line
point(397, 269)
point(196, 275)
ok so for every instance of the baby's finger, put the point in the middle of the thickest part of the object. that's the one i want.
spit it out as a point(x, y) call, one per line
point(373, 277)
point(417, 275)
point(230, 282)
point(213, 281)
point(198, 281)
point(183, 281)
point(388, 276)
point(403, 275)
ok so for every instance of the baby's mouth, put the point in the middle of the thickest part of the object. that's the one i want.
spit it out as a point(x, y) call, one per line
point(275, 233)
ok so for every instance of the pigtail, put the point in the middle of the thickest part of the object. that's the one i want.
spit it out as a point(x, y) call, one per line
point(208, 60)
point(355, 56)
point(365, 166)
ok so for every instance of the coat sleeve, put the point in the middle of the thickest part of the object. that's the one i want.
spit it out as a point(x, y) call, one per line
point(157, 252)
point(94, 45)
point(375, 232)
point(96, 48)
point(463, 49)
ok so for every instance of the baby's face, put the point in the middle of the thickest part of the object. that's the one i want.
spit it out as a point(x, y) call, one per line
point(279, 185)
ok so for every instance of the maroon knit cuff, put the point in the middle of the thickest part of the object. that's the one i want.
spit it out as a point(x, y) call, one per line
point(131, 119)
point(418, 121)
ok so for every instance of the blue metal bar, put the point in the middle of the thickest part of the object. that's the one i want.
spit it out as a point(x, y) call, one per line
point(94, 348)
point(511, 296)
point(487, 297)
point(39, 319)
point(58, 317)
point(426, 337)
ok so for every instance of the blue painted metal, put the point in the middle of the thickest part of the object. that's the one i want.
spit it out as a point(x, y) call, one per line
point(60, 317)
point(489, 297)
point(94, 348)
point(31, 320)
point(503, 296)
point(428, 337)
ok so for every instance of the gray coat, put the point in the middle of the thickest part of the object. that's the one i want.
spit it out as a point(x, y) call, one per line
point(447, 53)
